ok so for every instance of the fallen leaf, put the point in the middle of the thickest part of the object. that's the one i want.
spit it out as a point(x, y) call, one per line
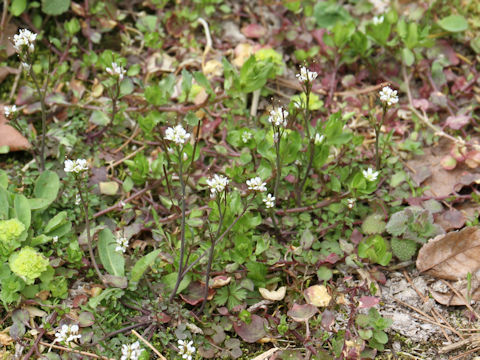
point(368, 301)
point(317, 295)
point(11, 137)
point(254, 31)
point(274, 295)
point(300, 313)
point(195, 293)
point(451, 220)
point(108, 187)
point(5, 339)
point(457, 122)
point(451, 256)
point(253, 331)
point(220, 281)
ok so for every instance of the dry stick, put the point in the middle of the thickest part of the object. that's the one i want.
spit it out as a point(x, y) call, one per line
point(135, 133)
point(58, 347)
point(149, 345)
point(429, 321)
point(465, 353)
point(312, 207)
point(423, 117)
point(459, 344)
point(116, 163)
point(460, 295)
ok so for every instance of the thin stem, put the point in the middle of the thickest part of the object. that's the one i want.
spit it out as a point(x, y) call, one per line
point(182, 226)
point(44, 117)
point(87, 228)
point(378, 128)
point(211, 253)
point(278, 162)
point(311, 145)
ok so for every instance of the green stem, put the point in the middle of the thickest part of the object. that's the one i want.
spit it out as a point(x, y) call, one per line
point(44, 117)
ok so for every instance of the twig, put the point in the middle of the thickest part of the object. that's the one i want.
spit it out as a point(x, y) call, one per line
point(85, 353)
point(149, 345)
point(460, 295)
point(312, 207)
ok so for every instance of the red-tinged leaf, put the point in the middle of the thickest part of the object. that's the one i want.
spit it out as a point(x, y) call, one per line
point(195, 292)
point(302, 313)
point(331, 259)
point(220, 281)
point(254, 31)
point(223, 311)
point(24, 95)
point(368, 301)
point(422, 104)
point(472, 159)
point(86, 319)
point(356, 236)
point(253, 331)
point(79, 300)
point(451, 220)
point(328, 319)
point(457, 122)
point(378, 276)
point(163, 318)
point(448, 162)
point(209, 127)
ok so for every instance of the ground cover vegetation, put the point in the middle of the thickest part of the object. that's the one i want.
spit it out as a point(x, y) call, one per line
point(232, 179)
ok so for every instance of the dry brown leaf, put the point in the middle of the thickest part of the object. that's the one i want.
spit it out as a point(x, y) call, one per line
point(274, 295)
point(11, 137)
point(451, 299)
point(317, 295)
point(451, 256)
point(5, 339)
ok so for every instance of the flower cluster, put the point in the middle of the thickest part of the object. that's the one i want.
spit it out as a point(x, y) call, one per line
point(116, 70)
point(278, 117)
point(319, 139)
point(370, 175)
point(256, 184)
point(186, 349)
point(9, 111)
point(246, 136)
point(131, 351)
point(24, 40)
point(10, 230)
point(122, 244)
point(177, 134)
point(67, 334)
point(217, 184)
point(377, 20)
point(351, 203)
point(28, 264)
point(388, 96)
point(306, 75)
point(76, 166)
point(269, 201)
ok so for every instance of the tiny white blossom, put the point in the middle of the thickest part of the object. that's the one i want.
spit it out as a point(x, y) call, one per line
point(26, 66)
point(377, 20)
point(319, 139)
point(177, 134)
point(257, 184)
point(351, 203)
point(122, 244)
point(55, 239)
point(9, 110)
point(388, 96)
point(68, 334)
point(186, 349)
point(306, 75)
point(131, 351)
point(297, 104)
point(78, 199)
point(269, 201)
point(275, 137)
point(76, 166)
point(370, 175)
point(278, 117)
point(246, 136)
point(116, 70)
point(24, 39)
point(217, 184)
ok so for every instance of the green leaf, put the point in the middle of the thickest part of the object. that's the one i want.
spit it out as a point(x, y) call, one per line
point(99, 118)
point(3, 204)
point(170, 280)
point(18, 7)
point(110, 293)
point(47, 186)
point(3, 179)
point(453, 23)
point(141, 266)
point(112, 260)
point(407, 56)
point(55, 7)
point(22, 213)
point(57, 221)
point(373, 224)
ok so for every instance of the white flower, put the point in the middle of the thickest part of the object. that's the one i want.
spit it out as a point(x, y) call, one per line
point(55, 239)
point(351, 203)
point(306, 75)
point(68, 334)
point(246, 136)
point(388, 96)
point(256, 184)
point(76, 166)
point(78, 199)
point(131, 351)
point(377, 20)
point(122, 244)
point(24, 39)
point(9, 110)
point(186, 349)
point(297, 104)
point(380, 6)
point(177, 134)
point(278, 117)
point(217, 184)
point(370, 175)
point(275, 137)
point(319, 139)
point(116, 70)
point(269, 201)
point(26, 66)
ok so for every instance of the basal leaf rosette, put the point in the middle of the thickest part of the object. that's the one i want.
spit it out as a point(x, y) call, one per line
point(10, 230)
point(28, 264)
